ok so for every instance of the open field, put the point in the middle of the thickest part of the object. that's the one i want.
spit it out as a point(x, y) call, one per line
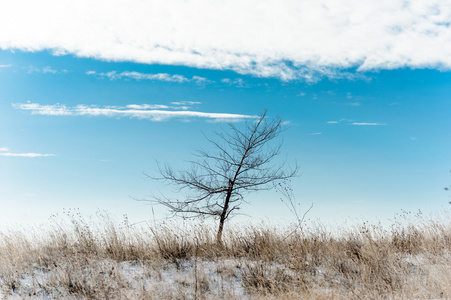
point(109, 260)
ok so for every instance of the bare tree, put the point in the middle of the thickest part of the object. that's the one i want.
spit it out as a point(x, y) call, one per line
point(241, 162)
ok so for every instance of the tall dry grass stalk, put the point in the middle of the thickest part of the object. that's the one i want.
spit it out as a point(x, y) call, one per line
point(109, 260)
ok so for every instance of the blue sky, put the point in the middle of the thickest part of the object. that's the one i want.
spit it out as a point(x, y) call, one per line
point(85, 110)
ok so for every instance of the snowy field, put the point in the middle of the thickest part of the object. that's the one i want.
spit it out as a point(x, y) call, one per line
point(408, 261)
point(192, 279)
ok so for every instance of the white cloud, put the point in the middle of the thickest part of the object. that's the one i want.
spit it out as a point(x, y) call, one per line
point(143, 111)
point(236, 82)
point(25, 154)
point(316, 133)
point(5, 66)
point(350, 122)
point(37, 109)
point(113, 75)
point(45, 70)
point(4, 151)
point(50, 70)
point(368, 124)
point(201, 80)
point(186, 103)
point(146, 106)
point(220, 120)
point(273, 38)
point(175, 105)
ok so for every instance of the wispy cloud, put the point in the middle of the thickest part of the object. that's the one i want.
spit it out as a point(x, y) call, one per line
point(5, 66)
point(147, 106)
point(350, 122)
point(50, 110)
point(368, 124)
point(316, 133)
point(186, 103)
point(114, 75)
point(302, 39)
point(4, 151)
point(140, 111)
point(25, 154)
point(45, 70)
point(52, 71)
point(238, 82)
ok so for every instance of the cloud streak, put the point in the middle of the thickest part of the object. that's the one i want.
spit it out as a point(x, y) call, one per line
point(274, 38)
point(113, 75)
point(144, 111)
point(4, 151)
point(350, 122)
point(45, 70)
point(367, 124)
point(32, 155)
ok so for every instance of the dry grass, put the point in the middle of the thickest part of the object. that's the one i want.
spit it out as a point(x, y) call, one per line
point(106, 260)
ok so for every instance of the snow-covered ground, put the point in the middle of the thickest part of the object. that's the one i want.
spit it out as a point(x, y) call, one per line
point(187, 279)
point(167, 279)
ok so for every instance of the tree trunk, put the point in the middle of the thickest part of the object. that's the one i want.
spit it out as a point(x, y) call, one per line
point(219, 234)
point(223, 216)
